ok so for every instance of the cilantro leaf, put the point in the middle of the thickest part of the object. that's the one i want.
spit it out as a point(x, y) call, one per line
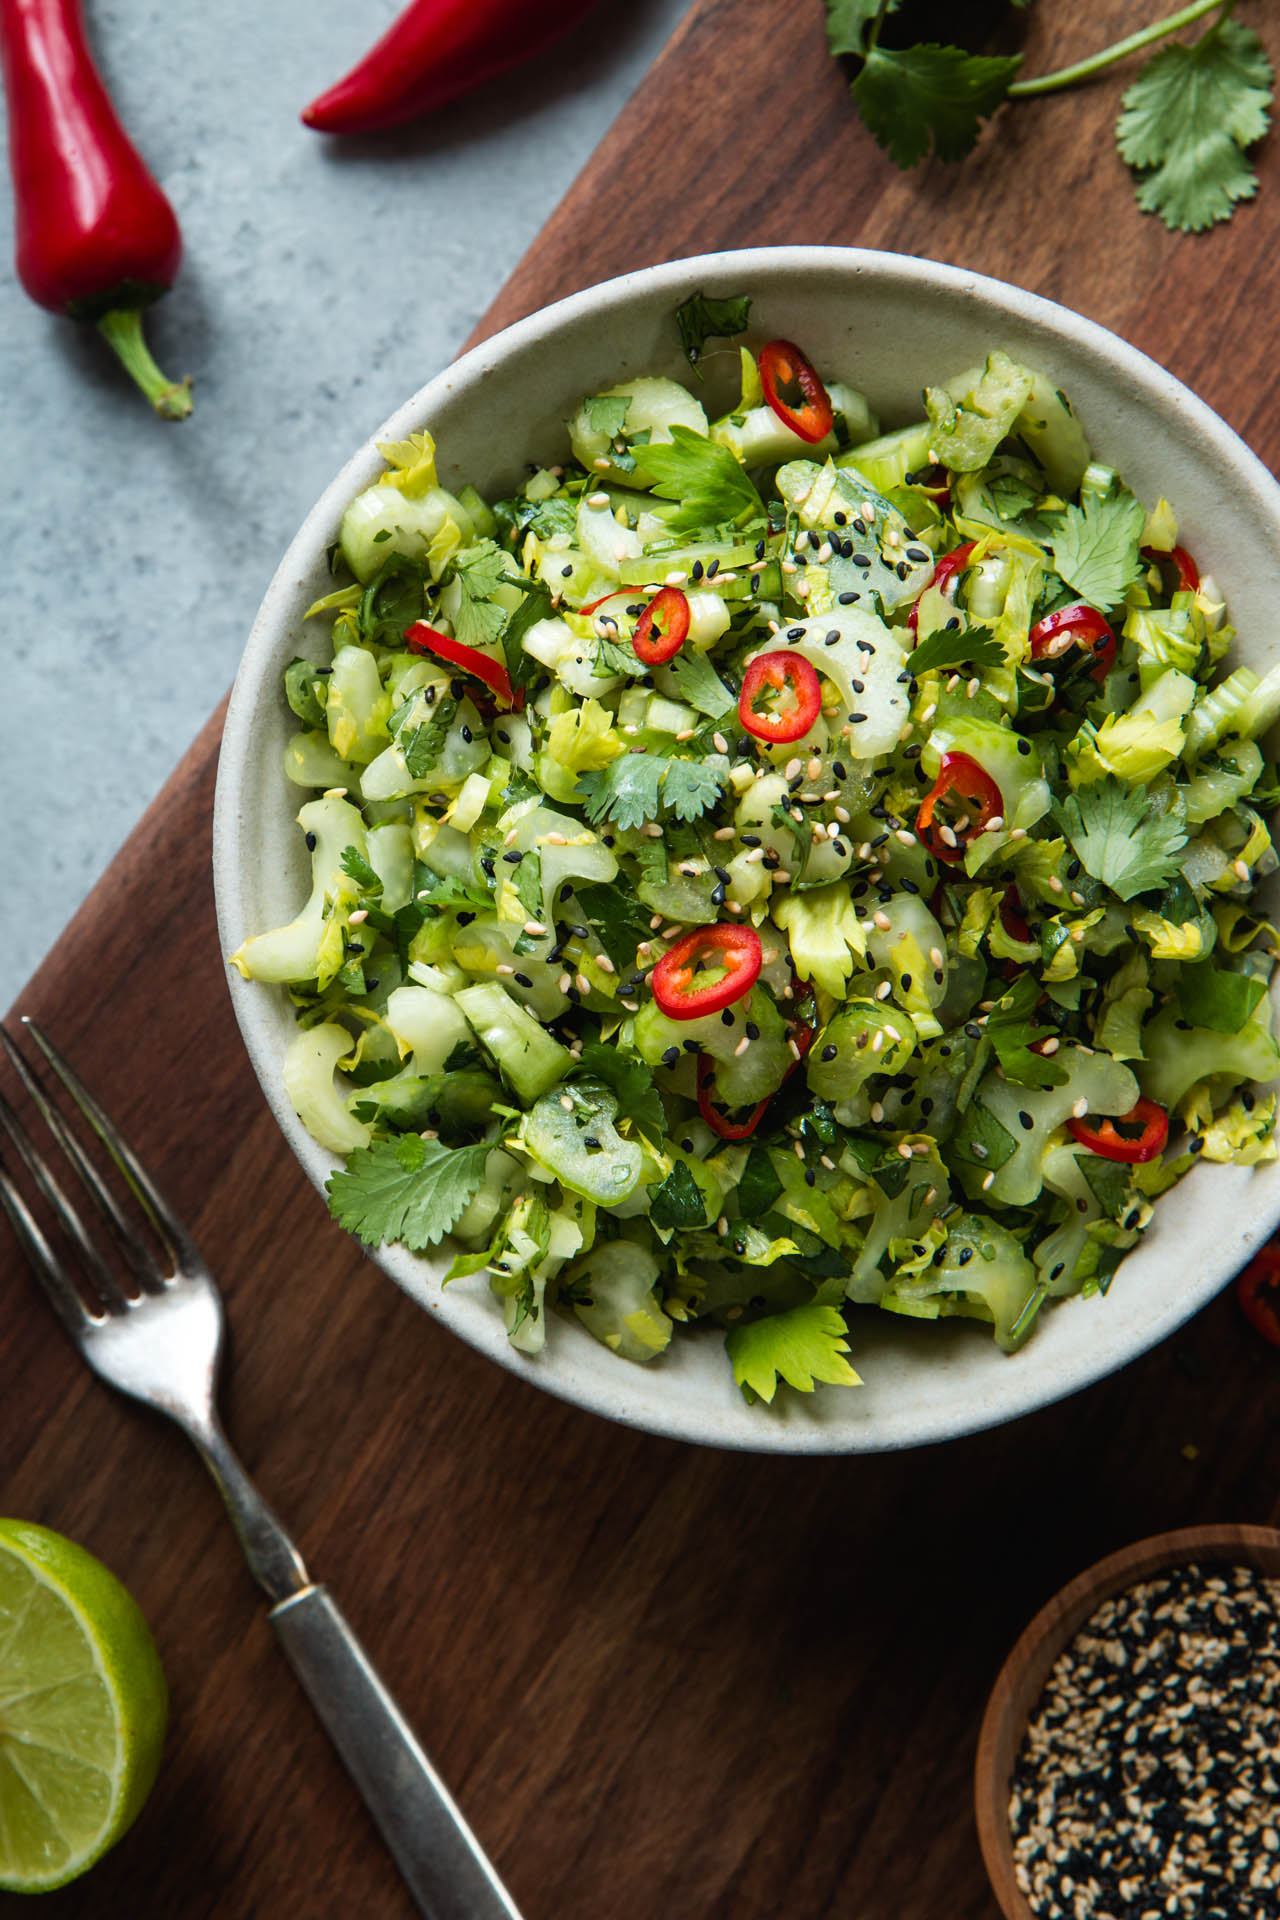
point(447, 890)
point(952, 647)
point(411, 1190)
point(700, 319)
point(697, 682)
point(626, 791)
point(1010, 1031)
point(357, 868)
point(914, 99)
point(1109, 1181)
point(631, 789)
point(1189, 118)
point(618, 917)
point(759, 1186)
point(525, 881)
point(536, 605)
point(847, 22)
point(1120, 839)
point(702, 475)
point(423, 746)
point(678, 1201)
point(802, 1346)
point(632, 1081)
point(1217, 999)
point(478, 570)
point(689, 787)
point(1095, 547)
point(607, 413)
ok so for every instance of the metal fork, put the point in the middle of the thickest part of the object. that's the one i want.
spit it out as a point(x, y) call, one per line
point(157, 1335)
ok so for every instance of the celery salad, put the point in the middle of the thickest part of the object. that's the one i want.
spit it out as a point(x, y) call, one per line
point(768, 867)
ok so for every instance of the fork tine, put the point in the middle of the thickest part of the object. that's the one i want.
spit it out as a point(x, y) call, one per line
point(105, 1281)
point(145, 1266)
point(53, 1276)
point(165, 1221)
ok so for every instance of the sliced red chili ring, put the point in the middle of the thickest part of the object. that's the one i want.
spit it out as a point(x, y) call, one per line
point(1258, 1291)
point(421, 638)
point(662, 628)
point(1012, 918)
point(1077, 625)
point(977, 797)
point(776, 673)
point(716, 1118)
point(945, 570)
point(1148, 1127)
point(1187, 571)
point(729, 957)
point(794, 391)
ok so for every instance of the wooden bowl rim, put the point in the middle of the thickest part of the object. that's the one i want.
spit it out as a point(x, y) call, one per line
point(1027, 1667)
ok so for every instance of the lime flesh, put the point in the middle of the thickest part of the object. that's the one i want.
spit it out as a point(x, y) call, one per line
point(83, 1705)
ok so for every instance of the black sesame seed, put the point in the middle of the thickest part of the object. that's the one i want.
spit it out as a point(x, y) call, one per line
point(522, 980)
point(311, 843)
point(828, 1053)
point(1024, 1120)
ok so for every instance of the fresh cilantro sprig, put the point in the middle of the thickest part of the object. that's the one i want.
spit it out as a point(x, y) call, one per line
point(948, 648)
point(1188, 120)
point(409, 1189)
point(1096, 547)
point(636, 787)
point(1120, 839)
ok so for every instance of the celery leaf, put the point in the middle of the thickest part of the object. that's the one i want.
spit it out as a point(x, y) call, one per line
point(802, 1346)
point(704, 476)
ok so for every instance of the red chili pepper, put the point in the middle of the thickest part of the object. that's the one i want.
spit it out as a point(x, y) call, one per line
point(1077, 625)
point(662, 628)
point(715, 1118)
point(1258, 1291)
point(1187, 570)
point(794, 391)
point(729, 957)
point(774, 673)
point(1150, 1125)
point(96, 238)
point(976, 795)
point(435, 51)
point(424, 639)
point(1012, 918)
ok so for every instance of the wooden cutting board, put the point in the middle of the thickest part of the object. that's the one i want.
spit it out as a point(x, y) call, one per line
point(659, 1679)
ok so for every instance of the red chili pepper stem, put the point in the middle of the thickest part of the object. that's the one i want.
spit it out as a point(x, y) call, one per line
point(96, 239)
point(121, 328)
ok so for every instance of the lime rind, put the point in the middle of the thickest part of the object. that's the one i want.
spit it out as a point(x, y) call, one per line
point(83, 1706)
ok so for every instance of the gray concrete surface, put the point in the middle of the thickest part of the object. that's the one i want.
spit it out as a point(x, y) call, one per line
point(323, 283)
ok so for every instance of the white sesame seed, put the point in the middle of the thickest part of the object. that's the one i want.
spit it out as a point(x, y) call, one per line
point(792, 768)
point(825, 1161)
point(600, 464)
point(673, 932)
point(335, 793)
point(1241, 869)
point(564, 983)
point(1019, 833)
point(582, 983)
point(988, 1181)
point(877, 1112)
point(995, 824)
point(597, 499)
point(928, 712)
point(566, 1103)
point(1055, 885)
point(937, 957)
point(655, 921)
point(503, 968)
point(534, 929)
point(883, 990)
point(1077, 899)
point(1080, 1109)
point(972, 687)
point(653, 830)
point(842, 815)
point(905, 1149)
point(358, 918)
point(754, 856)
point(686, 733)
point(555, 840)
point(905, 836)
point(813, 769)
point(882, 920)
point(719, 742)
point(877, 1043)
point(605, 964)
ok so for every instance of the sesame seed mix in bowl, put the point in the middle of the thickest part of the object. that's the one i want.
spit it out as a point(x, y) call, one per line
point(767, 871)
point(1148, 1781)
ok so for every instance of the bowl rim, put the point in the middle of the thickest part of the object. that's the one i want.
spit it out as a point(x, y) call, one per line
point(675, 278)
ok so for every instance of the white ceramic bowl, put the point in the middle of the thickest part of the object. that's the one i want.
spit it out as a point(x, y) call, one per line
point(887, 324)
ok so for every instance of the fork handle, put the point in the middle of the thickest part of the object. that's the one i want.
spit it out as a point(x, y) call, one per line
point(442, 1862)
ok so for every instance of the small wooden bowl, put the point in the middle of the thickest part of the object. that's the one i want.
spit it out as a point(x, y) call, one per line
point(1024, 1673)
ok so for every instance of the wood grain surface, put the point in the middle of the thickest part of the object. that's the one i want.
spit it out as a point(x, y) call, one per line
point(660, 1680)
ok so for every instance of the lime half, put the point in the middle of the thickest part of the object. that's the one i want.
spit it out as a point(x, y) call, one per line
point(83, 1705)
